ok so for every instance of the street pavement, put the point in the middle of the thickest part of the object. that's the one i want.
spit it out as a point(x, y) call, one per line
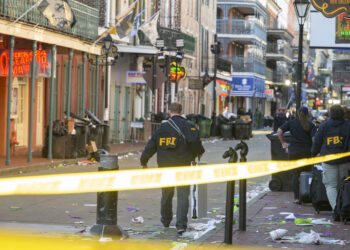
point(77, 212)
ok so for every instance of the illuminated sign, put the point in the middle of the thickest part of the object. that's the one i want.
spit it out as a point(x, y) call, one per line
point(178, 73)
point(135, 77)
point(342, 29)
point(22, 60)
point(332, 8)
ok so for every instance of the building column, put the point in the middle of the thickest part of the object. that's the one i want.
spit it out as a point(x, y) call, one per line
point(97, 84)
point(83, 85)
point(70, 67)
point(31, 105)
point(9, 96)
point(52, 85)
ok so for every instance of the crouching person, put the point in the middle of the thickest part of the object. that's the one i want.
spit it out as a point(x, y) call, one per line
point(331, 138)
point(176, 143)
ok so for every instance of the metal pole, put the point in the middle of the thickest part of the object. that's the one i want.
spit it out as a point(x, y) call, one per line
point(31, 105)
point(83, 85)
point(97, 84)
point(242, 204)
point(70, 66)
point(230, 194)
point(300, 66)
point(9, 96)
point(52, 84)
point(105, 138)
point(214, 86)
point(176, 84)
point(154, 79)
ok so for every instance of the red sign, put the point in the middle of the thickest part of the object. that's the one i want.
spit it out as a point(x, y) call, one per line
point(22, 60)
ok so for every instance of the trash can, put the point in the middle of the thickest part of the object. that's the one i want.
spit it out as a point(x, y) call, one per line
point(281, 181)
point(207, 128)
point(226, 131)
point(64, 147)
point(202, 128)
point(96, 134)
point(242, 130)
point(82, 132)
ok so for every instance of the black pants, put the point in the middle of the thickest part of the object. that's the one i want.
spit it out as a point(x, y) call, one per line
point(297, 171)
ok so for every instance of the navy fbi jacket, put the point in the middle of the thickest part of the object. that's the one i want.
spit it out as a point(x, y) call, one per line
point(331, 138)
point(172, 148)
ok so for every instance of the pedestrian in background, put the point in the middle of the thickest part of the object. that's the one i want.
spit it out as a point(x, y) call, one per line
point(176, 143)
point(226, 112)
point(302, 131)
point(331, 138)
point(280, 119)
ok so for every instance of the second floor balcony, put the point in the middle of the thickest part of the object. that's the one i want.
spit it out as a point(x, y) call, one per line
point(276, 76)
point(247, 64)
point(246, 31)
point(279, 52)
point(86, 17)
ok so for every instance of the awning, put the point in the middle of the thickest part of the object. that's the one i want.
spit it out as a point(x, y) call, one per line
point(122, 48)
point(248, 86)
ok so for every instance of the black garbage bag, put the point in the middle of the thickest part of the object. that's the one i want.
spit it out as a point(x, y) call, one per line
point(59, 128)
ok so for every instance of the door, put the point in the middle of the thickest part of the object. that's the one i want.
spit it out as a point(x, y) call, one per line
point(40, 112)
point(126, 112)
point(21, 121)
point(116, 114)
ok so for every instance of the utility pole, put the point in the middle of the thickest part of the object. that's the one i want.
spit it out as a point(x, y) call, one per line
point(215, 49)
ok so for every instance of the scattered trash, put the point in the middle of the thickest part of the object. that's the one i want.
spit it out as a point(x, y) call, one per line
point(310, 238)
point(132, 209)
point(199, 229)
point(270, 208)
point(79, 222)
point(105, 239)
point(321, 221)
point(303, 222)
point(290, 217)
point(277, 234)
point(139, 220)
point(75, 217)
point(60, 165)
point(90, 205)
point(14, 208)
point(85, 163)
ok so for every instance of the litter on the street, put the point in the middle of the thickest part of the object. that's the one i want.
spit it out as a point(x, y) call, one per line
point(277, 234)
point(139, 220)
point(310, 238)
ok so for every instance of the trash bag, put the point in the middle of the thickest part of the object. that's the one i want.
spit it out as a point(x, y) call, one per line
point(59, 128)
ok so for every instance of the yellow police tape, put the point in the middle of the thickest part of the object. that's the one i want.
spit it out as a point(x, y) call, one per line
point(25, 241)
point(150, 178)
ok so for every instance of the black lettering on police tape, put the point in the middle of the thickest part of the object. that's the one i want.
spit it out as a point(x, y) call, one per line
point(189, 175)
point(145, 178)
point(225, 172)
point(100, 182)
point(37, 187)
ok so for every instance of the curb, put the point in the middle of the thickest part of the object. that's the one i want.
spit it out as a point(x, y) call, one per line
point(47, 165)
point(221, 226)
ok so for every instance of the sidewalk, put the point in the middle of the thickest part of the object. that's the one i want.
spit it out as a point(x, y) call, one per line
point(264, 216)
point(20, 163)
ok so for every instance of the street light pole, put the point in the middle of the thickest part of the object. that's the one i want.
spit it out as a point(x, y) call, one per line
point(215, 49)
point(301, 7)
point(299, 66)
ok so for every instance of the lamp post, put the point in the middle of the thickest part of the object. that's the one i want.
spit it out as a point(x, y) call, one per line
point(106, 50)
point(180, 43)
point(215, 49)
point(301, 8)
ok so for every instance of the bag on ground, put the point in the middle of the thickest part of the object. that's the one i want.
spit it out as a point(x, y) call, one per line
point(318, 192)
point(304, 186)
point(342, 209)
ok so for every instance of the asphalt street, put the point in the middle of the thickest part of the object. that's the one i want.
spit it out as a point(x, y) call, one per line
point(76, 212)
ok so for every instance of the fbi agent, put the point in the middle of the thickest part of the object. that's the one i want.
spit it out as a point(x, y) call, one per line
point(176, 143)
point(331, 138)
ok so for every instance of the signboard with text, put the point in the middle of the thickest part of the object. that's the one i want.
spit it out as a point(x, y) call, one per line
point(135, 77)
point(332, 8)
point(22, 60)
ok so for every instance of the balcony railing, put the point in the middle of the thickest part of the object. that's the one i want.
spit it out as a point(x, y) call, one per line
point(276, 76)
point(86, 18)
point(240, 27)
point(247, 64)
point(275, 48)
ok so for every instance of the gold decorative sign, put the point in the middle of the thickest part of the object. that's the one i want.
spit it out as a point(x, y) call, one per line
point(332, 8)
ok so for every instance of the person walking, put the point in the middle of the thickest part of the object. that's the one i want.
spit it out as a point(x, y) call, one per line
point(302, 131)
point(331, 138)
point(279, 119)
point(176, 143)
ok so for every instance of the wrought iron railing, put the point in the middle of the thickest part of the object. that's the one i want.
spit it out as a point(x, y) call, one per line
point(241, 27)
point(275, 48)
point(86, 17)
point(247, 64)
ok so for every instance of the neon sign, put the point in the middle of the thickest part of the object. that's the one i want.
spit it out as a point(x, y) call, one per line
point(22, 60)
point(177, 73)
point(332, 8)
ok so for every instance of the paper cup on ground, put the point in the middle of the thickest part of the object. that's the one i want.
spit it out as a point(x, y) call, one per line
point(277, 234)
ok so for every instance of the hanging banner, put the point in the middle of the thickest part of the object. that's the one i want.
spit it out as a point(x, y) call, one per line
point(332, 8)
point(22, 60)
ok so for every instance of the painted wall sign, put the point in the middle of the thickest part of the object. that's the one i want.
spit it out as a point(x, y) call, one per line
point(135, 77)
point(22, 60)
point(195, 84)
point(332, 8)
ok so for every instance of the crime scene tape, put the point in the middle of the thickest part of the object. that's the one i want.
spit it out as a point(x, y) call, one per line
point(25, 241)
point(150, 178)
